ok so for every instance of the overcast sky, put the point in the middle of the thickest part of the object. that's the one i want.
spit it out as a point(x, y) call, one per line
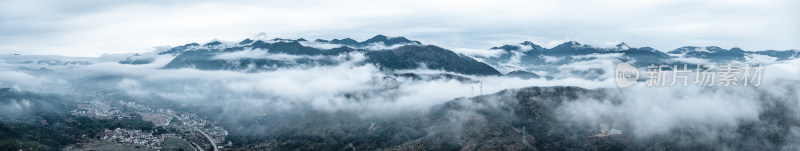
point(92, 28)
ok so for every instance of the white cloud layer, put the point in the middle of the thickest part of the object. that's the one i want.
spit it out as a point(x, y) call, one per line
point(364, 89)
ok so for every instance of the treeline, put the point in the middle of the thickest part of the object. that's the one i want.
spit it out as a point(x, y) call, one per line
point(47, 124)
point(54, 131)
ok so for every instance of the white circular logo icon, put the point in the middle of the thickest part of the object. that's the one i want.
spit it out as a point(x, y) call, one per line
point(625, 75)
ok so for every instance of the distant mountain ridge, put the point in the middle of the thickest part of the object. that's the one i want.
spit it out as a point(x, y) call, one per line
point(573, 48)
point(532, 57)
point(402, 53)
point(411, 55)
point(388, 41)
point(718, 54)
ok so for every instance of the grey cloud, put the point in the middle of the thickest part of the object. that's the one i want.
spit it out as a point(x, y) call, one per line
point(90, 28)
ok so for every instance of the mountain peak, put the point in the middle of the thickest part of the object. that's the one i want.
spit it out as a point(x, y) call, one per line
point(519, 47)
point(246, 41)
point(528, 43)
point(378, 37)
point(345, 41)
point(569, 44)
point(714, 48)
point(213, 43)
point(684, 49)
point(389, 41)
point(623, 46)
point(532, 45)
point(522, 74)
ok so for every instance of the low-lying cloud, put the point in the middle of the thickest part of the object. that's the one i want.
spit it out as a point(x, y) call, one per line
point(355, 86)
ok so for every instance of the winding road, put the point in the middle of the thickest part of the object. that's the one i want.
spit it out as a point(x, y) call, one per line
point(208, 137)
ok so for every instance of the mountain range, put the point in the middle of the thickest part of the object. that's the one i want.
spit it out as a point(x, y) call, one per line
point(400, 53)
point(408, 105)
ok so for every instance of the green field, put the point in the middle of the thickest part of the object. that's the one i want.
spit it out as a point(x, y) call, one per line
point(108, 146)
point(172, 143)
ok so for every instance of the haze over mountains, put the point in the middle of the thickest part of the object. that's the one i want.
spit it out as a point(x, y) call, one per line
point(399, 53)
point(395, 93)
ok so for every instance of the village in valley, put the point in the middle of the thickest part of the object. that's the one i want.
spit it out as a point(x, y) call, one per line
point(173, 130)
